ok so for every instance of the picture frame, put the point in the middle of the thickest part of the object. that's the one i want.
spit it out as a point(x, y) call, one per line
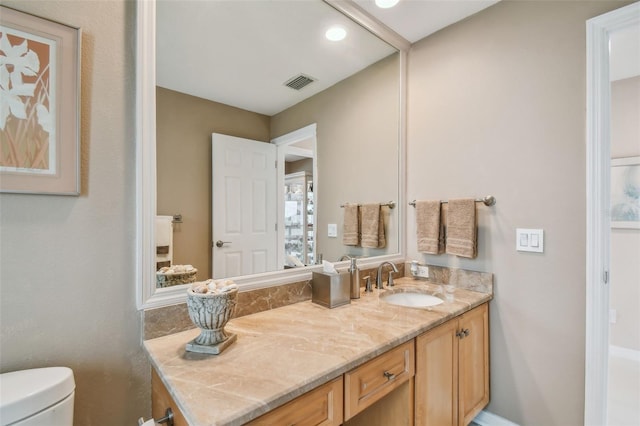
point(40, 105)
point(625, 193)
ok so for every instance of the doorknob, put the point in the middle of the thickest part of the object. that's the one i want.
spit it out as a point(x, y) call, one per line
point(220, 243)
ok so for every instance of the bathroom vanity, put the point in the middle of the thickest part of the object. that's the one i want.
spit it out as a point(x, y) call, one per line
point(368, 362)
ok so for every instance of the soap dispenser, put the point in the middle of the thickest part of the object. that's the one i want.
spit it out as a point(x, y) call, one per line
point(354, 277)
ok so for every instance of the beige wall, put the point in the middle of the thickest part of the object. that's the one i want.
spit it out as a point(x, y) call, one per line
point(184, 127)
point(357, 137)
point(625, 243)
point(67, 264)
point(497, 106)
point(305, 165)
point(357, 149)
point(625, 110)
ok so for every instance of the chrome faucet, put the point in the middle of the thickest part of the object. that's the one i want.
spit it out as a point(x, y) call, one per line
point(367, 284)
point(390, 279)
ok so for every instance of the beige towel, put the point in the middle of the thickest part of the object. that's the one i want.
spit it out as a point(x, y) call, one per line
point(372, 226)
point(461, 228)
point(428, 226)
point(351, 225)
point(442, 240)
point(382, 240)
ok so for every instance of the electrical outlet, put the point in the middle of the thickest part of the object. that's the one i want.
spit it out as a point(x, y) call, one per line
point(423, 271)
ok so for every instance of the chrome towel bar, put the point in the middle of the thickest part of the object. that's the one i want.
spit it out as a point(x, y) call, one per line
point(489, 200)
point(390, 204)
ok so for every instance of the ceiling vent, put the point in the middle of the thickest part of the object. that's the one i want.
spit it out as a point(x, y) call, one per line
point(299, 81)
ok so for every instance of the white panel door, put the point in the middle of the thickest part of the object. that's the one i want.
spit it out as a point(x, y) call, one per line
point(243, 206)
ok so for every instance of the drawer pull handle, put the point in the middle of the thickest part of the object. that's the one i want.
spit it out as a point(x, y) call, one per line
point(389, 376)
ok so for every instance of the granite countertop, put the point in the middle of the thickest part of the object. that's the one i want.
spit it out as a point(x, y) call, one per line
point(282, 353)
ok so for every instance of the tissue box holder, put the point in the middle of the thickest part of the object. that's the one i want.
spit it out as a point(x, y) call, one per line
point(330, 290)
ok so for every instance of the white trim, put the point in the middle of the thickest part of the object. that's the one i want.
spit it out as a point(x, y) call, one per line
point(298, 135)
point(283, 147)
point(626, 353)
point(372, 24)
point(146, 294)
point(402, 206)
point(145, 151)
point(598, 210)
point(486, 418)
point(625, 161)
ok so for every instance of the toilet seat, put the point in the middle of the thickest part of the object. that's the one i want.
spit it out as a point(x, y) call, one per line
point(27, 392)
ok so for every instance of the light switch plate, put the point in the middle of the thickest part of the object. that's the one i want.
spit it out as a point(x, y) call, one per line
point(530, 240)
point(332, 230)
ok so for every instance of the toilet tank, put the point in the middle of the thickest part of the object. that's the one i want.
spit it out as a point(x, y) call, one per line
point(37, 397)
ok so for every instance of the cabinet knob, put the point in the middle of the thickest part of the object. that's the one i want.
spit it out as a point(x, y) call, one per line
point(389, 376)
point(463, 333)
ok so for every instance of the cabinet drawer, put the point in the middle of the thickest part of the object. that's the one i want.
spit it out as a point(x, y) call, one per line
point(320, 406)
point(375, 379)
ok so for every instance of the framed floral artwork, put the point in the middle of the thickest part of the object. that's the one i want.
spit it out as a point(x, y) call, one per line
point(39, 105)
point(625, 193)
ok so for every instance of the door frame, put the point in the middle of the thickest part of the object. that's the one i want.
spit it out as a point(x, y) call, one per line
point(283, 145)
point(598, 206)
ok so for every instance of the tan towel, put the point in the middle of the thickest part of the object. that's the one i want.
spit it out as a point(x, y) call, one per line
point(382, 240)
point(372, 226)
point(442, 240)
point(428, 226)
point(351, 225)
point(461, 228)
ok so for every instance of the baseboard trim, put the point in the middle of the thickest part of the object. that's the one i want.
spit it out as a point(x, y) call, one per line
point(485, 418)
point(626, 353)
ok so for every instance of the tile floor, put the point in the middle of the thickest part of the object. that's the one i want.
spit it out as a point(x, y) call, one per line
point(623, 405)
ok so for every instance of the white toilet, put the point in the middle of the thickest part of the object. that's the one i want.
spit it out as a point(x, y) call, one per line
point(37, 397)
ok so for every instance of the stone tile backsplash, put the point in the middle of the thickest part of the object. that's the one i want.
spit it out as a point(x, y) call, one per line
point(469, 280)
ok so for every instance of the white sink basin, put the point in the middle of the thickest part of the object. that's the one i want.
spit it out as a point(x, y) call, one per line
point(411, 299)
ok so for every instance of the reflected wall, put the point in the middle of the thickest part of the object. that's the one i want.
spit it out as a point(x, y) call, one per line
point(357, 156)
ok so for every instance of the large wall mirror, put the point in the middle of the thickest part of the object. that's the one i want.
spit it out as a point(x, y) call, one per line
point(214, 76)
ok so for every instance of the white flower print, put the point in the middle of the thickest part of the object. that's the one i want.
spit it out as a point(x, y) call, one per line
point(44, 118)
point(18, 60)
point(15, 61)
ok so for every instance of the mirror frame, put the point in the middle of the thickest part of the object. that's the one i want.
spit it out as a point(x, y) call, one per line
point(147, 296)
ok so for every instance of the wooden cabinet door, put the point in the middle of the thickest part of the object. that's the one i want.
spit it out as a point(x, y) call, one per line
point(452, 370)
point(473, 369)
point(436, 379)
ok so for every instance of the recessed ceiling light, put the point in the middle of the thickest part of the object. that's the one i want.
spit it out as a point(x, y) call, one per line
point(336, 33)
point(386, 4)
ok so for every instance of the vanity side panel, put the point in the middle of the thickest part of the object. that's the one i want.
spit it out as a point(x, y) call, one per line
point(161, 400)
